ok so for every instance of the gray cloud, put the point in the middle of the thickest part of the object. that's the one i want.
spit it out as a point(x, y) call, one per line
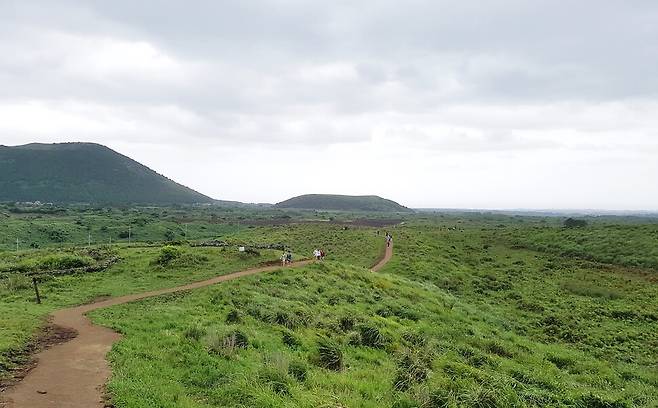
point(425, 81)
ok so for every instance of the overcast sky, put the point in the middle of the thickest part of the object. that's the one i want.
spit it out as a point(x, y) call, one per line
point(476, 104)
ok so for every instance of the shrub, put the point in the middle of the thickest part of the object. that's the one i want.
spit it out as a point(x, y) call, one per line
point(289, 339)
point(167, 254)
point(290, 320)
point(275, 379)
point(238, 338)
point(298, 370)
point(414, 338)
point(412, 368)
point(228, 344)
point(330, 355)
point(372, 337)
point(194, 332)
point(346, 323)
point(233, 317)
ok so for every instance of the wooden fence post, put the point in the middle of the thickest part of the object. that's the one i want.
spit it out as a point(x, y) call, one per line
point(36, 290)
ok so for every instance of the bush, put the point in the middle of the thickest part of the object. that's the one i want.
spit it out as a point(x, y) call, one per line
point(167, 254)
point(289, 339)
point(228, 344)
point(275, 379)
point(412, 368)
point(346, 323)
point(329, 354)
point(194, 332)
point(372, 337)
point(233, 317)
point(354, 339)
point(298, 370)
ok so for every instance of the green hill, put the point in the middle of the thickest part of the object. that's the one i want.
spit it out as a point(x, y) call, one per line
point(342, 203)
point(84, 173)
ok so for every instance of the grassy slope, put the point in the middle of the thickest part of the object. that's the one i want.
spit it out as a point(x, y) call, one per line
point(608, 311)
point(470, 357)
point(466, 321)
point(342, 203)
point(630, 245)
point(355, 245)
point(20, 317)
point(84, 172)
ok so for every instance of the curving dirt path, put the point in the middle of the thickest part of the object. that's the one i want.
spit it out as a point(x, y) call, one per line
point(73, 374)
point(387, 257)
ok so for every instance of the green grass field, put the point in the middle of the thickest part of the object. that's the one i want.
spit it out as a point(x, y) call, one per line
point(473, 311)
point(20, 317)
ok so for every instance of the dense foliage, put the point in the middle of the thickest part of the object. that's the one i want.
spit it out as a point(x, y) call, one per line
point(84, 172)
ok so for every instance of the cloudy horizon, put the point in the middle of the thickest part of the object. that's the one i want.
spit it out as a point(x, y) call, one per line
point(443, 104)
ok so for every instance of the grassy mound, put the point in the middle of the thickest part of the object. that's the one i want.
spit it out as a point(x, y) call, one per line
point(317, 336)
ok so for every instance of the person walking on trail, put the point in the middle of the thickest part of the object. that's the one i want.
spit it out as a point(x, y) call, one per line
point(389, 239)
point(289, 258)
point(322, 254)
point(284, 258)
point(316, 254)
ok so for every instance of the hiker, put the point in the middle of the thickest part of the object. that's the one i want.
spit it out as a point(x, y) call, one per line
point(322, 254)
point(389, 239)
point(284, 258)
point(289, 258)
point(316, 254)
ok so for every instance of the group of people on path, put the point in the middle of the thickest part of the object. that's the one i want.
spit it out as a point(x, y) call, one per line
point(286, 257)
point(319, 254)
point(389, 239)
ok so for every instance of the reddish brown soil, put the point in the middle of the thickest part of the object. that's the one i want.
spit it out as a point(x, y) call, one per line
point(50, 335)
point(384, 260)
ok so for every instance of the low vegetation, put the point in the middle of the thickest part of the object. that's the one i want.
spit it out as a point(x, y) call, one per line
point(319, 336)
point(474, 310)
point(142, 267)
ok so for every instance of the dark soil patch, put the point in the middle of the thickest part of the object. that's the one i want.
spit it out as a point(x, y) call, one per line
point(50, 335)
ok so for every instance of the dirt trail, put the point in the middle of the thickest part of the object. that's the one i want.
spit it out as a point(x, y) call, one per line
point(387, 257)
point(73, 374)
